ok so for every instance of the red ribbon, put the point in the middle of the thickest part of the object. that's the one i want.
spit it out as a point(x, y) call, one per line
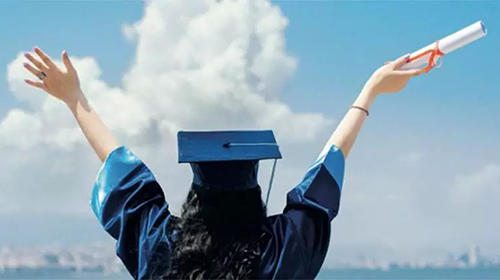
point(435, 55)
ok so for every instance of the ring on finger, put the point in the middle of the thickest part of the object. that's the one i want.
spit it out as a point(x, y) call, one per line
point(42, 75)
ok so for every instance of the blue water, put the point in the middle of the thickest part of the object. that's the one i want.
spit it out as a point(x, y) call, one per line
point(358, 274)
point(427, 273)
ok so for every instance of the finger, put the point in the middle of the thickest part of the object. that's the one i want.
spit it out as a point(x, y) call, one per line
point(401, 61)
point(39, 85)
point(32, 69)
point(387, 62)
point(45, 58)
point(419, 72)
point(67, 62)
point(36, 62)
point(412, 72)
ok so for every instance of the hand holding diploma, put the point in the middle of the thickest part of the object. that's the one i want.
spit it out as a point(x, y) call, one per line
point(390, 78)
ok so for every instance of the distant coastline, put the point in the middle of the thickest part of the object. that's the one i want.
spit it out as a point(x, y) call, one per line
point(477, 273)
point(483, 273)
point(100, 262)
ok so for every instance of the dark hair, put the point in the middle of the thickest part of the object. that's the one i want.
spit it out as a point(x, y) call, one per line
point(218, 235)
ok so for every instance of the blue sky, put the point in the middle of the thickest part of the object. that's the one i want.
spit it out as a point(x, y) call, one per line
point(450, 115)
point(338, 44)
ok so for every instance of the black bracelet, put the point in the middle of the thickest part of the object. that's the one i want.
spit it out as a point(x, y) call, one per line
point(362, 109)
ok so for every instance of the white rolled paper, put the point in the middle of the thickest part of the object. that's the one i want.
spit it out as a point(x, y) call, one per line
point(448, 44)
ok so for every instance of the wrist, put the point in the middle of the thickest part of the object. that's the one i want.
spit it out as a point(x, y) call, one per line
point(365, 98)
point(78, 98)
point(370, 89)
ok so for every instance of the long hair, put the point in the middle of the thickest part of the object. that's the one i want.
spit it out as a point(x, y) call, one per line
point(218, 235)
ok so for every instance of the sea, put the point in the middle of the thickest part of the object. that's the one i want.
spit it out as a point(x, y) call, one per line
point(485, 273)
point(489, 273)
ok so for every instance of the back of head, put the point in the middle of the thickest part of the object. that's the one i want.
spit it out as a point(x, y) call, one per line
point(218, 235)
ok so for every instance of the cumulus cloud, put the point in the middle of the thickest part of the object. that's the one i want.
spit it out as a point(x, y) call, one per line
point(201, 64)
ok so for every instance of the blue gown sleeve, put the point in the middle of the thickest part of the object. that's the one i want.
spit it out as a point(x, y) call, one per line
point(299, 238)
point(131, 206)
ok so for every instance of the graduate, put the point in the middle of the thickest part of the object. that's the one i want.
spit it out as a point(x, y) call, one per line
point(223, 231)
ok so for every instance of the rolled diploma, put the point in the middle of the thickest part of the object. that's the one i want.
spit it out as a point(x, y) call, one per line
point(448, 44)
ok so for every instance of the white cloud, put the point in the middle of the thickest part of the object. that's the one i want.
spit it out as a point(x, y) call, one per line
point(20, 129)
point(199, 65)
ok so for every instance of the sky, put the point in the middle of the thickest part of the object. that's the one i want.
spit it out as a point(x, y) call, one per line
point(423, 179)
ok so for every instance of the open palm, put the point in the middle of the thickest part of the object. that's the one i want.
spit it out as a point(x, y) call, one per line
point(63, 84)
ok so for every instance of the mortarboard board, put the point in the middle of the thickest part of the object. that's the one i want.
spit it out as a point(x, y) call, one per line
point(226, 160)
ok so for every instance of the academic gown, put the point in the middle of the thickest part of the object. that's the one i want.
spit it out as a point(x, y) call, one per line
point(131, 206)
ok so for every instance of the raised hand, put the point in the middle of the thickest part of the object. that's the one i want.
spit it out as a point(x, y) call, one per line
point(389, 79)
point(63, 84)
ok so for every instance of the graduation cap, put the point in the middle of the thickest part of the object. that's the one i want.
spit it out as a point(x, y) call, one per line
point(227, 160)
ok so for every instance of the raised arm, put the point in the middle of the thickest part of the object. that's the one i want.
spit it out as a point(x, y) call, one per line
point(302, 233)
point(65, 86)
point(387, 79)
point(96, 132)
point(127, 200)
